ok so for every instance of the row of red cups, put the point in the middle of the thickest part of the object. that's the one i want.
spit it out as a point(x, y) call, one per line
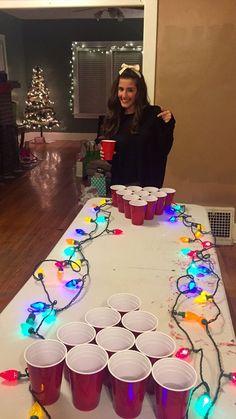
point(139, 204)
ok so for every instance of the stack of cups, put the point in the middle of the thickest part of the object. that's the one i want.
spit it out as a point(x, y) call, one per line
point(75, 333)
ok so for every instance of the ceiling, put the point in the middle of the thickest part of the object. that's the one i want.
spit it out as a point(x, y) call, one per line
point(77, 13)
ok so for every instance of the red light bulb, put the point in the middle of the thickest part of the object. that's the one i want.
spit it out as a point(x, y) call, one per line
point(233, 377)
point(117, 231)
point(10, 375)
point(207, 244)
point(183, 353)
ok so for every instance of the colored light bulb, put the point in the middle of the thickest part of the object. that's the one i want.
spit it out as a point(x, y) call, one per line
point(60, 264)
point(207, 244)
point(202, 298)
point(69, 251)
point(185, 251)
point(51, 316)
point(177, 207)
point(74, 284)
point(192, 286)
point(25, 329)
point(117, 231)
point(193, 253)
point(198, 234)
point(76, 264)
point(30, 319)
point(101, 219)
point(183, 353)
point(173, 219)
point(233, 377)
point(80, 231)
point(36, 411)
point(189, 316)
point(10, 375)
point(203, 404)
point(103, 201)
point(60, 274)
point(39, 307)
point(72, 241)
point(88, 219)
point(185, 239)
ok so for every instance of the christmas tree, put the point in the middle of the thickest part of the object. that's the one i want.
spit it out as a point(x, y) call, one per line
point(39, 112)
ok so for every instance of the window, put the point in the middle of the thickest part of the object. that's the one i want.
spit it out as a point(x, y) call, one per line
point(95, 66)
point(3, 55)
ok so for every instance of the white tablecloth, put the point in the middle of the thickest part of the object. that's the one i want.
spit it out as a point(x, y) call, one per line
point(145, 260)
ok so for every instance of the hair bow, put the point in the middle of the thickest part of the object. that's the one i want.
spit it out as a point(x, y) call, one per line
point(133, 67)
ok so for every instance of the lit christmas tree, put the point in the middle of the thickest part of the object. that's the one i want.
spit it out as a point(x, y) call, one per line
point(39, 112)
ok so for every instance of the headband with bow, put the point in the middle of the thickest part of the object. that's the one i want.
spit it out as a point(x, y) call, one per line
point(133, 67)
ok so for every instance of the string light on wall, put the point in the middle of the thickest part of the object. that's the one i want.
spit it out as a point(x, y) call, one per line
point(99, 49)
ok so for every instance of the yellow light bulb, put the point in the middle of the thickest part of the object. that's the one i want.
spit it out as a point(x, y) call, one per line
point(202, 298)
point(76, 264)
point(88, 219)
point(184, 239)
point(198, 234)
point(37, 411)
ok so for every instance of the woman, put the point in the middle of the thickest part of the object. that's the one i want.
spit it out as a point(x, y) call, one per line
point(143, 133)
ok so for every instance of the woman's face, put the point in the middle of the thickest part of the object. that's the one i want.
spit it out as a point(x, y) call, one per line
point(127, 93)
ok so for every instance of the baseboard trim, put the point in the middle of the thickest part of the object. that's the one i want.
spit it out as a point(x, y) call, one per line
point(59, 136)
point(234, 233)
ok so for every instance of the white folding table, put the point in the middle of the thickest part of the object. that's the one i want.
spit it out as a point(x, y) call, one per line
point(145, 260)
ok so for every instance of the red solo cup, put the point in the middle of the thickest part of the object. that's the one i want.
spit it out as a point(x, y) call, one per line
point(161, 196)
point(151, 207)
point(101, 317)
point(108, 147)
point(75, 333)
point(124, 302)
point(120, 198)
point(139, 321)
point(143, 194)
point(137, 210)
point(170, 195)
point(127, 198)
point(129, 372)
point(155, 345)
point(86, 364)
point(113, 189)
point(135, 188)
point(150, 189)
point(174, 378)
point(45, 361)
point(115, 339)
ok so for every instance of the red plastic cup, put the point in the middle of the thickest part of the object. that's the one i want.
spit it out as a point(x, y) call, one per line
point(86, 364)
point(139, 321)
point(45, 361)
point(170, 195)
point(115, 339)
point(120, 198)
point(160, 205)
point(108, 147)
point(174, 378)
point(101, 317)
point(155, 345)
point(137, 210)
point(75, 333)
point(124, 302)
point(129, 372)
point(127, 198)
point(135, 188)
point(151, 189)
point(151, 207)
point(114, 189)
point(142, 194)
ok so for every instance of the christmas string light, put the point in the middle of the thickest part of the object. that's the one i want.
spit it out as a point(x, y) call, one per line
point(196, 269)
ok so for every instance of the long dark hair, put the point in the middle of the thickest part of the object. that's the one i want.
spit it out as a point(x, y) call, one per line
point(112, 119)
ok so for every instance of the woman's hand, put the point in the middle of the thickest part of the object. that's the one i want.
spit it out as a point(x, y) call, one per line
point(165, 114)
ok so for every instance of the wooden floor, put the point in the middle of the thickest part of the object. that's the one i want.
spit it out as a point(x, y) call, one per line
point(38, 206)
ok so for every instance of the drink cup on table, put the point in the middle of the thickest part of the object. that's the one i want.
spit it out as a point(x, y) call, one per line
point(75, 333)
point(86, 364)
point(108, 148)
point(174, 379)
point(101, 317)
point(124, 302)
point(135, 188)
point(170, 195)
point(127, 198)
point(155, 345)
point(150, 189)
point(114, 189)
point(129, 371)
point(45, 360)
point(151, 207)
point(160, 205)
point(120, 198)
point(137, 210)
point(143, 194)
point(139, 321)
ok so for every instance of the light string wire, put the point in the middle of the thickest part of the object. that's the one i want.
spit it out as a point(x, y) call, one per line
point(200, 257)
